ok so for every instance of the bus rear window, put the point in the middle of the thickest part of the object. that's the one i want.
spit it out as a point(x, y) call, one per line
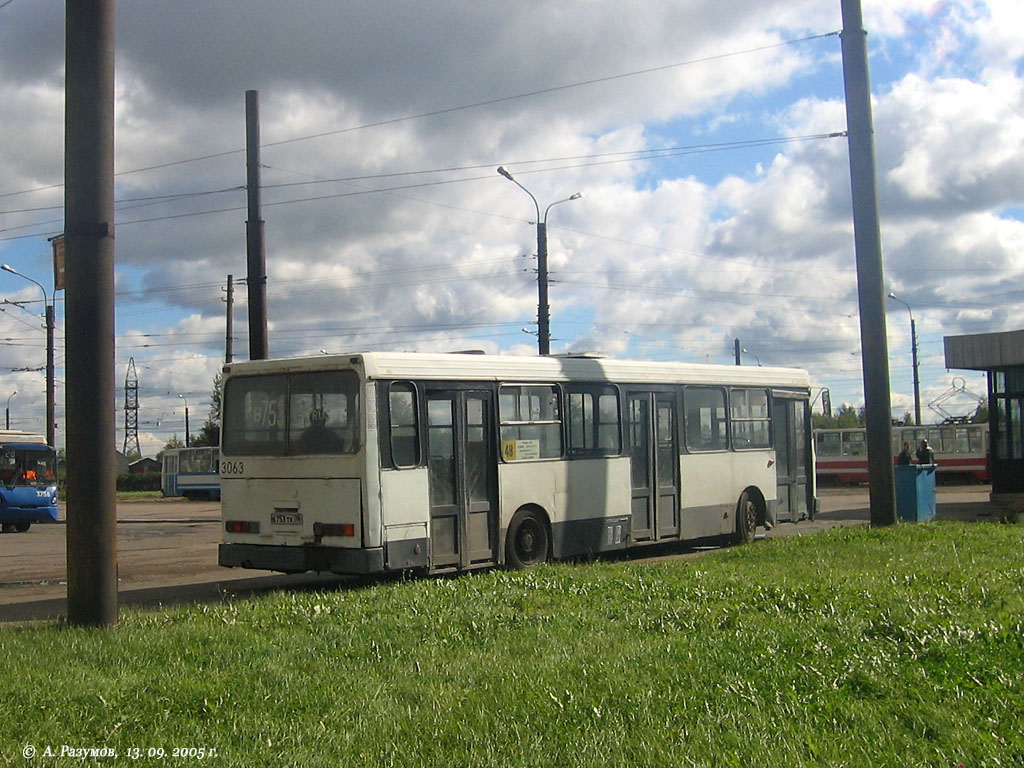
point(291, 414)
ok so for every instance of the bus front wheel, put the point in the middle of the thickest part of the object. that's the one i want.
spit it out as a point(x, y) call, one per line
point(527, 541)
point(746, 519)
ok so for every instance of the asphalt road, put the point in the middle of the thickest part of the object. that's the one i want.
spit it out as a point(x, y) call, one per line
point(167, 552)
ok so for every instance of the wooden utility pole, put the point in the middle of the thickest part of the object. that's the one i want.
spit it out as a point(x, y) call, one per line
point(870, 280)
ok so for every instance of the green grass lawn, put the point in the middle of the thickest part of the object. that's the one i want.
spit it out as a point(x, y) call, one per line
point(852, 647)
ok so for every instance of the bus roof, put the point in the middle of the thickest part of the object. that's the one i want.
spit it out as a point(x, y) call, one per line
point(10, 436)
point(511, 368)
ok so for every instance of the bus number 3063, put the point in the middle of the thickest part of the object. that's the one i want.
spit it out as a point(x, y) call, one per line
point(232, 467)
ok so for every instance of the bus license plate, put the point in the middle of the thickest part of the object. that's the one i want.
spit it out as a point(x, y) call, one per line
point(286, 517)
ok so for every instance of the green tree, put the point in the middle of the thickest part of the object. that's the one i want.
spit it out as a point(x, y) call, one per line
point(210, 433)
point(980, 415)
point(845, 418)
point(174, 442)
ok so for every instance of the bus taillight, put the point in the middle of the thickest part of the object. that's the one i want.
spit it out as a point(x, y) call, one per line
point(334, 529)
point(242, 526)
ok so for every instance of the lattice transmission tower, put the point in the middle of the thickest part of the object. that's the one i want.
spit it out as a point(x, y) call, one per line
point(131, 409)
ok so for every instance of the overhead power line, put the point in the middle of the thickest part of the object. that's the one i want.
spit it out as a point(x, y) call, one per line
point(462, 107)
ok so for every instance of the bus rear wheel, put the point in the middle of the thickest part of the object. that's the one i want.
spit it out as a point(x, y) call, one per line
point(746, 519)
point(527, 541)
point(22, 527)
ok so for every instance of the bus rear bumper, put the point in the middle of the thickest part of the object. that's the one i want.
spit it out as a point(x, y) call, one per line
point(301, 559)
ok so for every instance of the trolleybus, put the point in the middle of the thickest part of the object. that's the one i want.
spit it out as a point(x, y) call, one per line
point(191, 472)
point(377, 462)
point(28, 481)
point(961, 451)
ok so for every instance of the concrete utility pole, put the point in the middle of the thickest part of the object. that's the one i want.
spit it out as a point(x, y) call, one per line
point(870, 282)
point(736, 352)
point(89, 245)
point(229, 321)
point(543, 306)
point(255, 248)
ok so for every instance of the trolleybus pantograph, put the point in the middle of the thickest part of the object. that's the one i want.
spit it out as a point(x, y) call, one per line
point(377, 462)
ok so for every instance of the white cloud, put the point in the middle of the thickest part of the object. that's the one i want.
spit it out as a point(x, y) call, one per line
point(670, 257)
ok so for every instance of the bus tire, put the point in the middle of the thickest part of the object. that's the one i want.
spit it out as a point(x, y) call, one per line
point(22, 527)
point(746, 519)
point(527, 542)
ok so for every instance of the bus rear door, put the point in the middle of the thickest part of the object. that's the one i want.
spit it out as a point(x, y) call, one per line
point(792, 457)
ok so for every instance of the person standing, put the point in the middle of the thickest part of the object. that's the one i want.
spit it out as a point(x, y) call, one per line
point(904, 458)
point(925, 454)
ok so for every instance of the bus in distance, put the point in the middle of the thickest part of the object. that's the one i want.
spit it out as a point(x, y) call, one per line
point(28, 481)
point(191, 472)
point(376, 462)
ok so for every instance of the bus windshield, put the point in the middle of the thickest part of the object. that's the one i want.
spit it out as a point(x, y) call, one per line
point(27, 467)
point(292, 414)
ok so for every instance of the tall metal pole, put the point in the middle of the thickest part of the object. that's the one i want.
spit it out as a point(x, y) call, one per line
point(870, 284)
point(8, 411)
point(89, 245)
point(543, 308)
point(917, 380)
point(185, 399)
point(255, 248)
point(736, 352)
point(48, 314)
point(913, 358)
point(229, 322)
point(51, 416)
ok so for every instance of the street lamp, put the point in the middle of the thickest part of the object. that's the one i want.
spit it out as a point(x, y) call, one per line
point(9, 408)
point(913, 355)
point(186, 419)
point(748, 352)
point(543, 309)
point(50, 440)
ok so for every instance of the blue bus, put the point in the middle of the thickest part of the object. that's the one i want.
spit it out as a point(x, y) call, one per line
point(191, 472)
point(28, 481)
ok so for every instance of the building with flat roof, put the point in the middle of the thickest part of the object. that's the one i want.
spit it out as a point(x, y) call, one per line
point(1001, 355)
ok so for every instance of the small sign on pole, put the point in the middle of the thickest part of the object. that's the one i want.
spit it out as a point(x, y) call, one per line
point(58, 262)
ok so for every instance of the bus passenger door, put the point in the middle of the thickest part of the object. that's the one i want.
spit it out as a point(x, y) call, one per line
point(667, 452)
point(654, 462)
point(792, 457)
point(462, 464)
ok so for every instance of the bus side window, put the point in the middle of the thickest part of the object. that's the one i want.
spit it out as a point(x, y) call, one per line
point(751, 427)
point(405, 447)
point(593, 421)
point(705, 422)
point(531, 422)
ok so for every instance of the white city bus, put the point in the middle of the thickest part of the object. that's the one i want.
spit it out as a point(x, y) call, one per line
point(378, 462)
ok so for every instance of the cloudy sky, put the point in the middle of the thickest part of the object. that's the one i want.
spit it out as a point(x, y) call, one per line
point(702, 134)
